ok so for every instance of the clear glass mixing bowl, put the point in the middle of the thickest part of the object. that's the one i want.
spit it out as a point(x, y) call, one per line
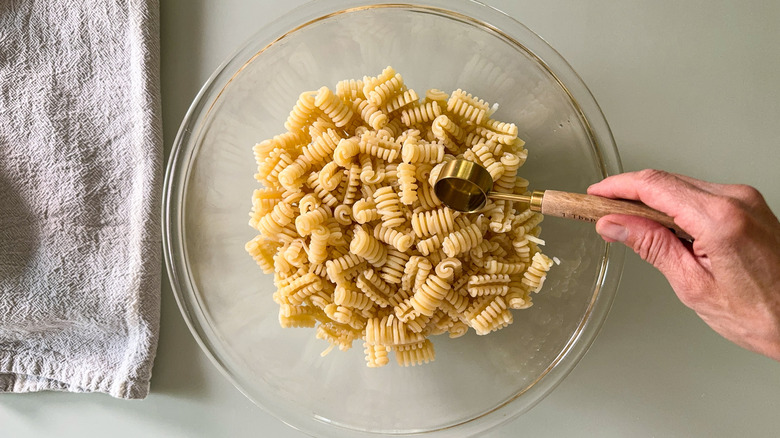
point(476, 382)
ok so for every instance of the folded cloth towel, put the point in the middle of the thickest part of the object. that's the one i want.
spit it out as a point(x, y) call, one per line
point(80, 180)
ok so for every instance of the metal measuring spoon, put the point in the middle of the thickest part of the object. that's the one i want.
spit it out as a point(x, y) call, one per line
point(466, 186)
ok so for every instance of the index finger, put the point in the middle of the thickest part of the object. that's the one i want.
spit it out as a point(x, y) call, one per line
point(663, 191)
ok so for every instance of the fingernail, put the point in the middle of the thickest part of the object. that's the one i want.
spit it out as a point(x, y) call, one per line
point(612, 231)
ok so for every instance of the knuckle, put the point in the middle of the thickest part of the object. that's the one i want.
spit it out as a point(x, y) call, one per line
point(748, 194)
point(731, 215)
point(651, 247)
point(651, 176)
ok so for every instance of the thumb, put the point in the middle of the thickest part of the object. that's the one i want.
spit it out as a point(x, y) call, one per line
point(651, 241)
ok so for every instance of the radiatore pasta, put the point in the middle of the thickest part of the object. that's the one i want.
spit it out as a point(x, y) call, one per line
point(360, 247)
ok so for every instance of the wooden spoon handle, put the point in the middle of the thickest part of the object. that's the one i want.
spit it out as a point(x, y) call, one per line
point(590, 208)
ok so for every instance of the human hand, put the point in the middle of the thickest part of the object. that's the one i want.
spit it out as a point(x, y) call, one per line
point(730, 275)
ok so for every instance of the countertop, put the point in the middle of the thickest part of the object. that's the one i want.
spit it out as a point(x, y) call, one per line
point(687, 86)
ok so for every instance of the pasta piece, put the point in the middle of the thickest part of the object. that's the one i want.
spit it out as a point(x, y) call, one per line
point(506, 183)
point(518, 296)
point(457, 300)
point(374, 288)
point(331, 175)
point(294, 253)
point(322, 147)
point(488, 315)
point(326, 196)
point(303, 111)
point(418, 324)
point(467, 107)
point(368, 247)
point(495, 136)
point(494, 266)
point(401, 100)
point(353, 185)
point(297, 317)
point(408, 180)
point(428, 200)
point(526, 223)
point(350, 90)
point(368, 172)
point(462, 240)
point(343, 215)
point(338, 266)
point(318, 248)
point(437, 95)
point(481, 154)
point(337, 335)
point(422, 152)
point(537, 272)
point(400, 241)
point(393, 269)
point(392, 130)
point(390, 331)
point(448, 133)
point(491, 284)
point(428, 223)
point(320, 126)
point(290, 141)
point(308, 283)
point(501, 127)
point(415, 354)
point(448, 268)
point(334, 107)
point(391, 174)
point(376, 355)
point(430, 295)
point(379, 147)
point(420, 113)
point(389, 207)
point(306, 222)
point(410, 272)
point(424, 268)
point(458, 329)
point(387, 83)
point(293, 176)
point(370, 113)
point(261, 253)
point(345, 315)
point(345, 151)
point(272, 223)
point(364, 211)
point(429, 245)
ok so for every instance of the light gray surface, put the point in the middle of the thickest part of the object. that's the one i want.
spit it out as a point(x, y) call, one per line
point(689, 87)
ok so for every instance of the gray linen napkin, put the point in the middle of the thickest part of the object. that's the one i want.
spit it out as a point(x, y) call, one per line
point(80, 179)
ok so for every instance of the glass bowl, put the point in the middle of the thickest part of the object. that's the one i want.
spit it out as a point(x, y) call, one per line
point(476, 382)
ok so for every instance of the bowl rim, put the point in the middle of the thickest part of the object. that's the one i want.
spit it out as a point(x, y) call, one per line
point(174, 189)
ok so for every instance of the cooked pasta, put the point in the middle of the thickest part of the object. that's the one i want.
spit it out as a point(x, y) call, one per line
point(401, 100)
point(467, 107)
point(368, 247)
point(400, 241)
point(420, 113)
point(462, 240)
point(359, 245)
point(332, 106)
point(434, 222)
point(303, 111)
point(393, 269)
point(371, 114)
point(407, 177)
